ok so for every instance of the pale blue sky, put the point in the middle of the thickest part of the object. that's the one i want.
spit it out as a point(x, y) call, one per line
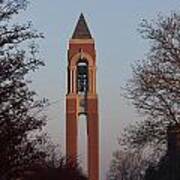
point(113, 24)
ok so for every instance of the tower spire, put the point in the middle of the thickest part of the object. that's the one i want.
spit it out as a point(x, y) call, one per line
point(81, 31)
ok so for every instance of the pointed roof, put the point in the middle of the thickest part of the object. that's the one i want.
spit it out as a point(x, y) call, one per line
point(81, 31)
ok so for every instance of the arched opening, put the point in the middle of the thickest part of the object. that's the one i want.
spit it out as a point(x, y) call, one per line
point(82, 77)
point(82, 142)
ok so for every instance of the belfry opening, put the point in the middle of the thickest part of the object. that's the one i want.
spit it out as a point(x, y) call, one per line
point(81, 98)
point(82, 77)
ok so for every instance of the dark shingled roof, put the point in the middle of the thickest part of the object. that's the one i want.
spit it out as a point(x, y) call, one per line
point(81, 30)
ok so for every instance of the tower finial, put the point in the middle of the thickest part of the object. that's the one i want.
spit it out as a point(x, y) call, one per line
point(81, 31)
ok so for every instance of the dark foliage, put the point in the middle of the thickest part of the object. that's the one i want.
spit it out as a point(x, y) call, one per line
point(61, 172)
point(167, 169)
point(19, 111)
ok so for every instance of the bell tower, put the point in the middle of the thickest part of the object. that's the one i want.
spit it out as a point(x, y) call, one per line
point(81, 96)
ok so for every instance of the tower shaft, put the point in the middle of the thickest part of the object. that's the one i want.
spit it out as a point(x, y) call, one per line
point(81, 96)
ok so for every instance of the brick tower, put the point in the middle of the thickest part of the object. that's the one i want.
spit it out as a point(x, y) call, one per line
point(81, 95)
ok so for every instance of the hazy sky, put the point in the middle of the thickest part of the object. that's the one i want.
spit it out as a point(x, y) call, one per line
point(113, 24)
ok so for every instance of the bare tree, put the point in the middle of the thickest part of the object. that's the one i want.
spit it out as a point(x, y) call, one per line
point(127, 165)
point(155, 86)
point(18, 108)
